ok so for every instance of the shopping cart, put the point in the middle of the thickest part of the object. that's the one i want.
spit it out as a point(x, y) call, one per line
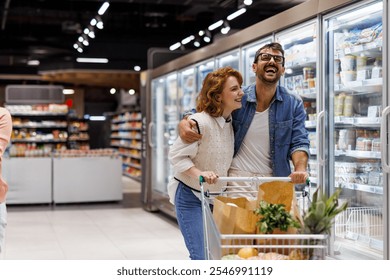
point(269, 246)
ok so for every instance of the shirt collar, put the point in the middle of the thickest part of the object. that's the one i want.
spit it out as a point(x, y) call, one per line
point(221, 121)
point(251, 90)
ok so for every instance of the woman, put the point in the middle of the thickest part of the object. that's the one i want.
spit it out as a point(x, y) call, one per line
point(209, 157)
point(5, 135)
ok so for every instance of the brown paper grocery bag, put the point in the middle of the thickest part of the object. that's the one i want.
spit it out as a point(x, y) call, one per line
point(235, 216)
point(278, 192)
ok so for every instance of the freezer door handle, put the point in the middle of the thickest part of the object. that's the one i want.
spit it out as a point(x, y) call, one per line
point(150, 139)
point(320, 140)
point(384, 140)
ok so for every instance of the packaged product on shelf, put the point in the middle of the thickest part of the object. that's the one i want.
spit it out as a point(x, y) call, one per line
point(348, 106)
point(347, 139)
point(348, 63)
point(308, 73)
point(347, 76)
point(377, 69)
point(376, 145)
point(363, 144)
point(373, 111)
point(339, 104)
point(375, 178)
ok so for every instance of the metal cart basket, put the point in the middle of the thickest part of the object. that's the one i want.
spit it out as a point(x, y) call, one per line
point(269, 246)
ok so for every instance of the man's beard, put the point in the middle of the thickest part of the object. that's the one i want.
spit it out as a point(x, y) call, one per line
point(269, 81)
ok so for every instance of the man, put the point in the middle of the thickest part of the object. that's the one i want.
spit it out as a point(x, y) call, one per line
point(270, 127)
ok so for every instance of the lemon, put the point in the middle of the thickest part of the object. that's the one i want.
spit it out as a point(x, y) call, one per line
point(247, 252)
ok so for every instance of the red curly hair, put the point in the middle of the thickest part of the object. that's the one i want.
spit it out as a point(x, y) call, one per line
point(209, 99)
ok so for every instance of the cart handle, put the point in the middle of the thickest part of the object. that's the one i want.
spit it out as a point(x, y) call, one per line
point(251, 179)
point(247, 179)
point(254, 178)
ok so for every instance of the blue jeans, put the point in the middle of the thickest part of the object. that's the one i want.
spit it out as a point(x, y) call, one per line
point(189, 217)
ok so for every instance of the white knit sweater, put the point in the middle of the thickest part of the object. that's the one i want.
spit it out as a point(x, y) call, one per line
point(213, 152)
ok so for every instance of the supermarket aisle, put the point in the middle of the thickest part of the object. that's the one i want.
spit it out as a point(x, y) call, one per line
point(97, 231)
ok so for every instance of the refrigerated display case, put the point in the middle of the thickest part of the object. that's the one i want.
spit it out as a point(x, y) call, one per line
point(334, 53)
point(354, 97)
point(187, 89)
point(202, 69)
point(231, 59)
point(162, 133)
point(300, 45)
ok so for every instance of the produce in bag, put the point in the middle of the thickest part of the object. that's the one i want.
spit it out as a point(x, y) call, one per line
point(278, 214)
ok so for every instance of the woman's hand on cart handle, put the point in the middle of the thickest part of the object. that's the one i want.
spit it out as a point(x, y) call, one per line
point(208, 176)
point(299, 177)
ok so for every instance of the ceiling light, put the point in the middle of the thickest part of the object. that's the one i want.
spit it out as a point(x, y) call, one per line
point(93, 21)
point(85, 40)
point(207, 36)
point(99, 25)
point(226, 28)
point(97, 118)
point(80, 49)
point(187, 40)
point(75, 46)
point(81, 39)
point(68, 91)
point(197, 43)
point(112, 90)
point(137, 68)
point(33, 62)
point(236, 14)
point(215, 25)
point(91, 60)
point(175, 46)
point(103, 8)
point(86, 30)
point(131, 91)
point(91, 35)
point(248, 2)
point(201, 33)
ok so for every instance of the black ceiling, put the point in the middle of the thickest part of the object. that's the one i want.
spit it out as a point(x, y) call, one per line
point(46, 30)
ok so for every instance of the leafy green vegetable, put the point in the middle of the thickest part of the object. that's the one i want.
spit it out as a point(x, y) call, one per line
point(274, 216)
point(320, 216)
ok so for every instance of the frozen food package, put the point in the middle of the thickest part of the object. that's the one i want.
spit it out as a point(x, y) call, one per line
point(347, 139)
point(348, 63)
point(376, 145)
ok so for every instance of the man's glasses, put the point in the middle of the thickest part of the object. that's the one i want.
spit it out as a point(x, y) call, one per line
point(267, 57)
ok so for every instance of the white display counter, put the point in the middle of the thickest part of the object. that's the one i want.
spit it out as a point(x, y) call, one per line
point(29, 180)
point(87, 179)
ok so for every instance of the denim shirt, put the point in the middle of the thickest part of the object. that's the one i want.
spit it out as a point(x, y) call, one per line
point(287, 130)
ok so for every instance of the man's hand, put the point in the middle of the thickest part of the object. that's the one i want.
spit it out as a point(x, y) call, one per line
point(299, 177)
point(187, 131)
point(299, 159)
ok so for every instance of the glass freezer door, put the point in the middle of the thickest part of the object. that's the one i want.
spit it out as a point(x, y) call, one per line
point(248, 56)
point(354, 96)
point(162, 129)
point(300, 51)
point(231, 59)
point(202, 70)
point(187, 90)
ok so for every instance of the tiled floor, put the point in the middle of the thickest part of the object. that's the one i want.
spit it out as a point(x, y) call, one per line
point(97, 231)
